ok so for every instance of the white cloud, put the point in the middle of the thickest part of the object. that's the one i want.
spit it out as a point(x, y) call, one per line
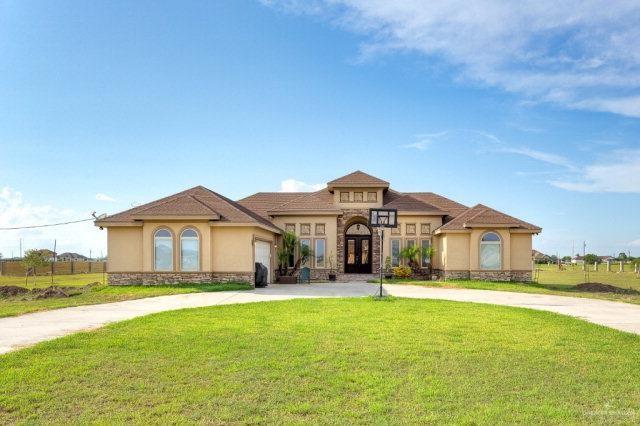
point(634, 243)
point(15, 211)
point(581, 54)
point(545, 157)
point(619, 172)
point(104, 197)
point(292, 185)
point(423, 141)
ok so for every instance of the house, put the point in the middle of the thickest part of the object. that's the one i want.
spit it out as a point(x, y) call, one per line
point(199, 235)
point(71, 257)
point(539, 257)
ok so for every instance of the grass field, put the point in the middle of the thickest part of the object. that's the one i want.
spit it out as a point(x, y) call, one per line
point(330, 361)
point(18, 305)
point(60, 280)
point(549, 274)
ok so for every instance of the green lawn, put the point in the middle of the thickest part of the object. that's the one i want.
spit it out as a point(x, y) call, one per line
point(550, 281)
point(549, 274)
point(99, 293)
point(60, 280)
point(330, 361)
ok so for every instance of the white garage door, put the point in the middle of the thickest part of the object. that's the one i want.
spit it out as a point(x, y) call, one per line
point(263, 255)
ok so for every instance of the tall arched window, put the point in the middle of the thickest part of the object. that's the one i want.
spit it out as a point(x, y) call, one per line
point(163, 250)
point(189, 250)
point(490, 251)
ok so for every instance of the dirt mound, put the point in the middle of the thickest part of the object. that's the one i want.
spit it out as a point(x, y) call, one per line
point(49, 292)
point(605, 288)
point(12, 290)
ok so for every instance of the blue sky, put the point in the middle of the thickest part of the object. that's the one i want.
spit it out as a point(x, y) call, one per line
point(534, 111)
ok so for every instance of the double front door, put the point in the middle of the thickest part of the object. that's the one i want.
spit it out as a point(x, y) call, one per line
point(357, 255)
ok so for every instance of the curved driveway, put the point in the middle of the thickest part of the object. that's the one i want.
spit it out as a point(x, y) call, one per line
point(26, 330)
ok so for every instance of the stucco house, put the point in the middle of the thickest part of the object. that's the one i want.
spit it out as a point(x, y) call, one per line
point(199, 235)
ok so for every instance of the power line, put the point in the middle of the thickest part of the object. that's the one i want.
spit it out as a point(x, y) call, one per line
point(47, 225)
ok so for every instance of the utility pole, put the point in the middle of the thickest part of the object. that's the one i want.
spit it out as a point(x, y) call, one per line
point(20, 248)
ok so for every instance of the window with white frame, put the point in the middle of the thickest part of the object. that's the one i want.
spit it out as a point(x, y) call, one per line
point(395, 252)
point(305, 242)
point(189, 250)
point(490, 251)
point(163, 250)
point(320, 251)
point(425, 245)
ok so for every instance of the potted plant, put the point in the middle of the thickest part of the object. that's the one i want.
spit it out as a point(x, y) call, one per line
point(286, 274)
point(388, 272)
point(332, 272)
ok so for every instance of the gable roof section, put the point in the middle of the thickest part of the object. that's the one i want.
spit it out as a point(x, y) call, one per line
point(481, 215)
point(198, 201)
point(357, 178)
point(262, 202)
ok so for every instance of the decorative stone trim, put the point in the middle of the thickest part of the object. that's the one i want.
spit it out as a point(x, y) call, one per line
point(346, 218)
point(160, 278)
point(518, 276)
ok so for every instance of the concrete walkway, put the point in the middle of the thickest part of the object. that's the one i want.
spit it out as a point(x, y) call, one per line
point(26, 330)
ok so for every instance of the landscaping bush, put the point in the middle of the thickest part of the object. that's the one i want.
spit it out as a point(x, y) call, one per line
point(402, 272)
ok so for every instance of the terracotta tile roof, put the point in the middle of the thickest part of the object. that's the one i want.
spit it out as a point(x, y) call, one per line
point(321, 200)
point(197, 201)
point(262, 202)
point(406, 202)
point(357, 178)
point(483, 215)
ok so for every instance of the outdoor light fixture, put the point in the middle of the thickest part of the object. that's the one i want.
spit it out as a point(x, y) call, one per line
point(382, 218)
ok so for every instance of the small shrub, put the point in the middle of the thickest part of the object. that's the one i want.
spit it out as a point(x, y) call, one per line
point(402, 272)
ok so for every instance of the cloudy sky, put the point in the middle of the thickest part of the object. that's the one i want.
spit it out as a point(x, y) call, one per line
point(530, 107)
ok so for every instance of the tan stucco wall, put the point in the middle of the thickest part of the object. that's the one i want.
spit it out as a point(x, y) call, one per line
point(222, 249)
point(124, 248)
point(460, 251)
point(331, 231)
point(521, 245)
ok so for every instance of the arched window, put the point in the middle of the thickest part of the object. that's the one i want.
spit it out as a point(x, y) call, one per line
point(358, 229)
point(163, 250)
point(490, 251)
point(189, 250)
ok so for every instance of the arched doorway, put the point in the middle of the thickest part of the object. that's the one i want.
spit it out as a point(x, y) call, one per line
point(357, 249)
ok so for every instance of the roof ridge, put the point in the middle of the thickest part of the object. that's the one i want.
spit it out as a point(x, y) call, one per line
point(153, 203)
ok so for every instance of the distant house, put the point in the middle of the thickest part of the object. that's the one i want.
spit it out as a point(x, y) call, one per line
point(47, 254)
point(579, 260)
point(72, 257)
point(540, 257)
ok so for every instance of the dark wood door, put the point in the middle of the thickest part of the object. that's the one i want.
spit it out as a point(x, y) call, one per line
point(357, 255)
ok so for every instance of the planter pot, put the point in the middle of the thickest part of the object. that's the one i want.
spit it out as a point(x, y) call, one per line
point(332, 277)
point(287, 280)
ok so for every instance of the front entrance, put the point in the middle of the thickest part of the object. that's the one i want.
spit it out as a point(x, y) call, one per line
point(357, 250)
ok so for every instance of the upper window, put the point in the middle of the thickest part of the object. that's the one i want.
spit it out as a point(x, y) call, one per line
point(189, 250)
point(425, 228)
point(396, 230)
point(163, 250)
point(305, 229)
point(490, 251)
point(290, 227)
point(411, 229)
point(358, 229)
point(319, 228)
point(358, 196)
point(372, 197)
point(344, 197)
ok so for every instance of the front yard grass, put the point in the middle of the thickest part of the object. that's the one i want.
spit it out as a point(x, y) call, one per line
point(99, 293)
point(330, 361)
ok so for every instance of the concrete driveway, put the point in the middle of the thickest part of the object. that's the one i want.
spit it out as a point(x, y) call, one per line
point(29, 329)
